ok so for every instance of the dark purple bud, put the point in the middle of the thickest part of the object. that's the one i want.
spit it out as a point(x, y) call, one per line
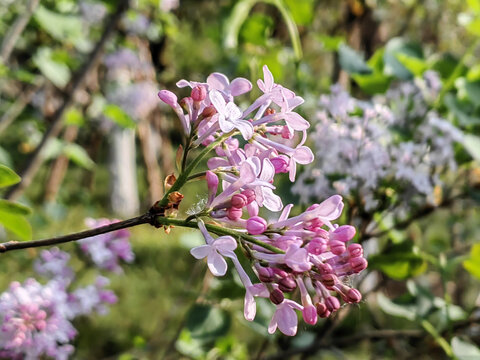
point(353, 296)
point(280, 273)
point(332, 303)
point(329, 280)
point(209, 111)
point(265, 274)
point(276, 297)
point(287, 284)
point(322, 310)
point(280, 163)
point(239, 201)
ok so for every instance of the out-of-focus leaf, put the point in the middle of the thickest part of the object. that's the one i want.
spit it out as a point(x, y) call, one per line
point(398, 262)
point(474, 27)
point(57, 72)
point(474, 73)
point(5, 157)
point(14, 208)
point(458, 110)
point(376, 83)
point(376, 60)
point(472, 264)
point(472, 144)
point(8, 176)
point(74, 117)
point(395, 47)
point(331, 43)
point(473, 91)
point(189, 346)
point(474, 5)
point(302, 10)
point(444, 64)
point(464, 350)
point(391, 308)
point(234, 22)
point(413, 64)
point(17, 224)
point(351, 61)
point(256, 29)
point(120, 117)
point(78, 155)
point(207, 323)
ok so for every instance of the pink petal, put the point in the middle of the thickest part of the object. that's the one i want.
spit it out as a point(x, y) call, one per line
point(268, 170)
point(331, 208)
point(168, 98)
point(273, 323)
point(303, 155)
point(218, 101)
point(287, 320)
point(216, 264)
point(268, 77)
point(225, 125)
point(217, 162)
point(201, 251)
point(271, 201)
point(250, 308)
point(296, 121)
point(285, 213)
point(218, 81)
point(240, 86)
point(183, 83)
point(247, 172)
point(225, 243)
point(245, 128)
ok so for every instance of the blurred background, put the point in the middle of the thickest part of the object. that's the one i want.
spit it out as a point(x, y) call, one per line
point(80, 122)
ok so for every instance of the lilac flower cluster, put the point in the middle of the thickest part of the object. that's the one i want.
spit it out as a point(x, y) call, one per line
point(305, 252)
point(36, 319)
point(396, 140)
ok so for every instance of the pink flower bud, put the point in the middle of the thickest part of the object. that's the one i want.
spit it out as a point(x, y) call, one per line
point(199, 93)
point(287, 133)
point(256, 225)
point(239, 201)
point(343, 233)
point(309, 313)
point(329, 280)
point(353, 296)
point(250, 194)
point(332, 303)
point(355, 250)
point(337, 247)
point(317, 246)
point(41, 325)
point(265, 274)
point(287, 284)
point(325, 269)
point(212, 180)
point(280, 163)
point(280, 273)
point(358, 264)
point(234, 213)
point(322, 310)
point(168, 98)
point(276, 297)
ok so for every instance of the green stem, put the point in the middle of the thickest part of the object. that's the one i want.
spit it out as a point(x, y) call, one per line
point(438, 338)
point(219, 231)
point(183, 177)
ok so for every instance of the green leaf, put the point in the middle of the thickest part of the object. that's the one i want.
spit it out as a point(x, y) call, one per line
point(257, 29)
point(395, 47)
point(8, 176)
point(376, 60)
point(464, 350)
point(474, 27)
point(474, 73)
point(331, 43)
point(474, 5)
point(17, 224)
point(375, 83)
point(458, 110)
point(79, 156)
point(14, 208)
point(472, 264)
point(472, 89)
point(413, 64)
point(206, 323)
point(74, 117)
point(351, 61)
point(472, 145)
point(120, 117)
point(302, 10)
point(391, 308)
point(57, 72)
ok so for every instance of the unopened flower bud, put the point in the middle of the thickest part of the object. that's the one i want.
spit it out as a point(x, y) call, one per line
point(337, 247)
point(276, 297)
point(287, 133)
point(355, 250)
point(280, 163)
point(265, 274)
point(250, 194)
point(358, 264)
point(329, 280)
point(322, 310)
point(209, 111)
point(332, 303)
point(234, 213)
point(168, 98)
point(317, 246)
point(325, 269)
point(343, 233)
point(287, 284)
point(239, 201)
point(256, 225)
point(353, 296)
point(280, 273)
point(199, 93)
point(309, 313)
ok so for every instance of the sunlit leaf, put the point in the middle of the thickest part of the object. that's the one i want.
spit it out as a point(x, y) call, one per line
point(464, 350)
point(118, 116)
point(57, 72)
point(472, 264)
point(8, 176)
point(395, 47)
point(391, 308)
point(17, 224)
point(10, 207)
point(78, 155)
point(413, 64)
point(376, 83)
point(472, 145)
point(351, 61)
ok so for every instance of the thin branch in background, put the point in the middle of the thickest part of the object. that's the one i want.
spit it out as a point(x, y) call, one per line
point(29, 171)
point(10, 39)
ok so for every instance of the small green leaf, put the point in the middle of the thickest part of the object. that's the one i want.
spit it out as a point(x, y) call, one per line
point(257, 29)
point(391, 308)
point(57, 72)
point(474, 27)
point(79, 156)
point(351, 61)
point(395, 47)
point(331, 43)
point(474, 5)
point(464, 350)
point(472, 145)
point(472, 89)
point(302, 10)
point(376, 60)
point(413, 64)
point(17, 224)
point(14, 208)
point(8, 176)
point(120, 117)
point(472, 264)
point(207, 323)
point(74, 117)
point(375, 83)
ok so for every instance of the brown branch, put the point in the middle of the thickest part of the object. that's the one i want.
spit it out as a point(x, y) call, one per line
point(16, 30)
point(16, 245)
point(34, 163)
